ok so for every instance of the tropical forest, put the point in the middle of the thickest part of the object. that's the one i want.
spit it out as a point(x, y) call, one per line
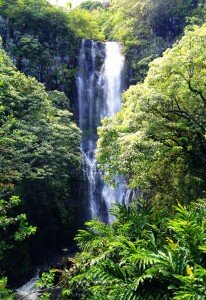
point(103, 150)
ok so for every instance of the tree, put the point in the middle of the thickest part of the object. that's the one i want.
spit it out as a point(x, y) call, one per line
point(158, 139)
point(14, 228)
point(44, 40)
point(84, 25)
point(91, 5)
point(146, 28)
point(39, 159)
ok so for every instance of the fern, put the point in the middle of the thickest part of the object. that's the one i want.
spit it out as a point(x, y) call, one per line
point(138, 257)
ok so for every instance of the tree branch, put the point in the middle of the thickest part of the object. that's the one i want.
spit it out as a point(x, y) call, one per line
point(197, 92)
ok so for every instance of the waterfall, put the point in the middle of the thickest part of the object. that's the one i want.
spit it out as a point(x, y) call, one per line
point(100, 82)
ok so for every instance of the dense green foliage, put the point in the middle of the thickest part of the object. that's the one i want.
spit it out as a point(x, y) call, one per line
point(158, 142)
point(158, 139)
point(91, 5)
point(148, 27)
point(140, 257)
point(44, 39)
point(39, 155)
point(84, 25)
point(4, 292)
point(13, 229)
point(39, 142)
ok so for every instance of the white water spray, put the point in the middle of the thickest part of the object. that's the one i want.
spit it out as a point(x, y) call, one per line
point(100, 84)
point(28, 290)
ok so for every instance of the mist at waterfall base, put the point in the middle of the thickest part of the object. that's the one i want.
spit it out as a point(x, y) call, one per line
point(100, 83)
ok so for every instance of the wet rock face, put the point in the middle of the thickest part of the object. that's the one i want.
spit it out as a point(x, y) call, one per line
point(91, 61)
point(97, 49)
point(4, 29)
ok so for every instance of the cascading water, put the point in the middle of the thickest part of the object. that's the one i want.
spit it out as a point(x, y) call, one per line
point(28, 291)
point(99, 84)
